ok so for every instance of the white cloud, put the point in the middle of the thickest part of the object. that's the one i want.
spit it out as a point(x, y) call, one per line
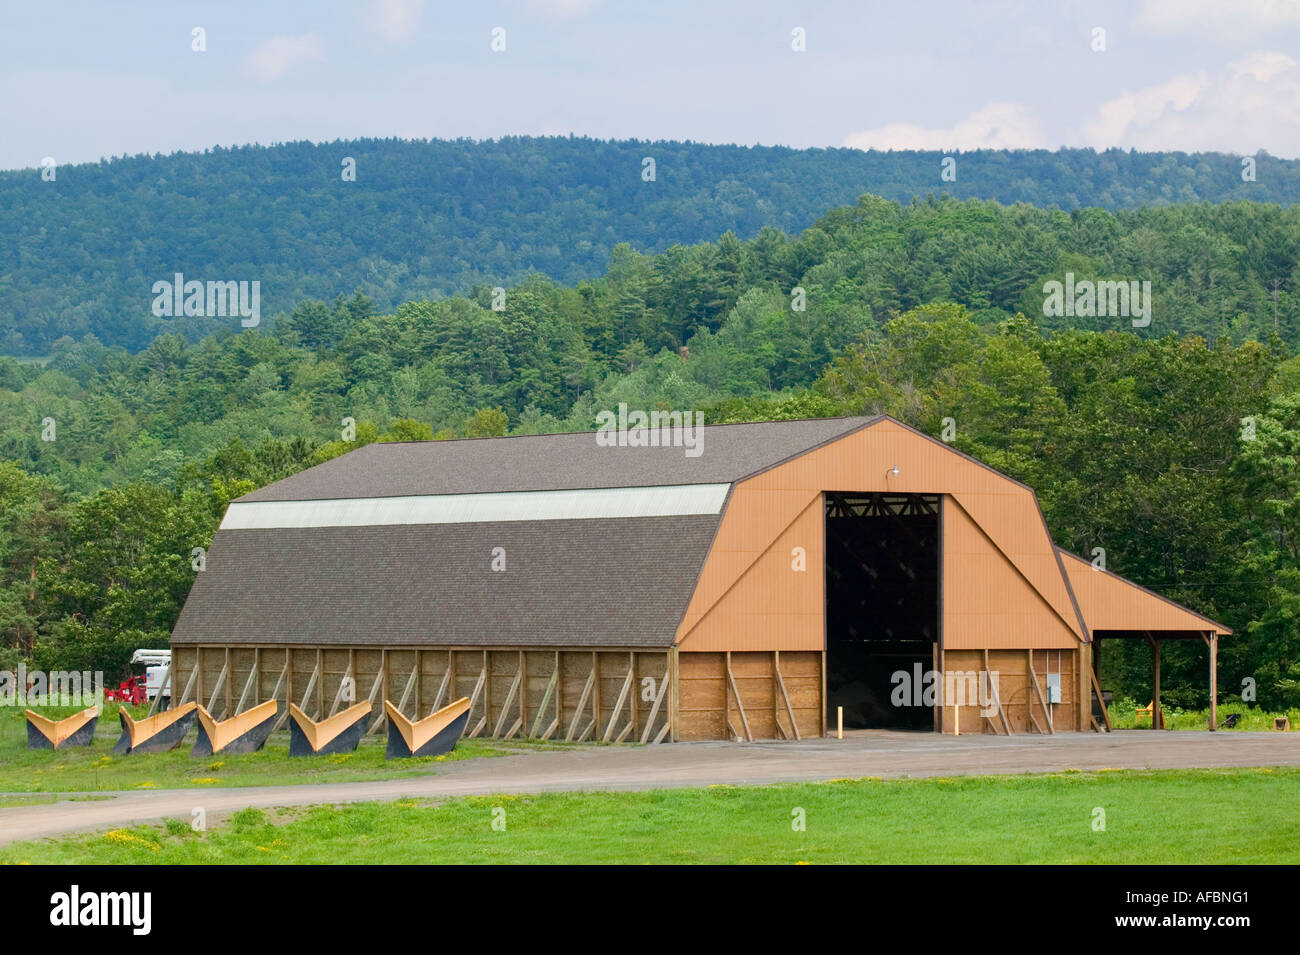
point(275, 57)
point(1250, 105)
point(995, 126)
point(395, 20)
point(1216, 18)
point(559, 9)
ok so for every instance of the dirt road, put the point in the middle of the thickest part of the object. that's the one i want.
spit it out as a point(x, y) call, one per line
point(870, 753)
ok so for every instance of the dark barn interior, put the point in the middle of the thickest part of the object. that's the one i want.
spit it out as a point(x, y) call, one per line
point(882, 605)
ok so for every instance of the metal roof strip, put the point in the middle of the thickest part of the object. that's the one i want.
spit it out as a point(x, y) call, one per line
point(586, 504)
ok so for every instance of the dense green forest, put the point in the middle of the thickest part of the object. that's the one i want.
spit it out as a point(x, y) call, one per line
point(1172, 450)
point(423, 219)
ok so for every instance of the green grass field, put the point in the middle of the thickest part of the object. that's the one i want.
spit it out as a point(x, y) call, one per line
point(95, 768)
point(1188, 816)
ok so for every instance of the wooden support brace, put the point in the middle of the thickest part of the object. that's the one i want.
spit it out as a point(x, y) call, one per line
point(311, 685)
point(189, 684)
point(275, 694)
point(478, 688)
point(546, 701)
point(780, 682)
point(618, 707)
point(221, 679)
point(1042, 699)
point(582, 704)
point(375, 688)
point(505, 707)
point(731, 682)
point(406, 693)
point(988, 676)
point(1101, 701)
point(659, 698)
point(249, 684)
point(338, 697)
point(442, 687)
point(157, 700)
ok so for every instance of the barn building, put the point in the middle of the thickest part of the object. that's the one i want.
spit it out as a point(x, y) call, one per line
point(755, 586)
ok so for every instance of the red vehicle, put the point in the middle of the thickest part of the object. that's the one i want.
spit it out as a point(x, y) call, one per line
point(130, 691)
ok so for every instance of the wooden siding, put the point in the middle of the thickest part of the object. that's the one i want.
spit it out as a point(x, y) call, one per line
point(707, 709)
point(520, 694)
point(1016, 691)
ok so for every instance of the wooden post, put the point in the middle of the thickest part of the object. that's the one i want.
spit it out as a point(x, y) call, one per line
point(419, 681)
point(938, 699)
point(559, 692)
point(595, 688)
point(675, 702)
point(229, 679)
point(320, 683)
point(776, 695)
point(523, 689)
point(1157, 717)
point(839, 722)
point(1214, 680)
point(1088, 677)
point(823, 700)
point(1038, 693)
point(726, 696)
point(940, 690)
point(487, 690)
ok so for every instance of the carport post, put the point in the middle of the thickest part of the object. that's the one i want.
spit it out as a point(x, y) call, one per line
point(1214, 680)
point(1157, 717)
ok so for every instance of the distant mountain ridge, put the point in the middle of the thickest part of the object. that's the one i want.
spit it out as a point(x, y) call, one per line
point(80, 254)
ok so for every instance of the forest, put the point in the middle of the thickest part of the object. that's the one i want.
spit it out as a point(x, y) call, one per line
point(1172, 447)
point(428, 219)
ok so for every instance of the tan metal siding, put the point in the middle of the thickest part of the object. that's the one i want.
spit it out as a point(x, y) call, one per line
point(748, 598)
point(987, 602)
point(1112, 603)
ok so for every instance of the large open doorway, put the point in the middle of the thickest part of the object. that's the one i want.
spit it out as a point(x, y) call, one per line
point(882, 605)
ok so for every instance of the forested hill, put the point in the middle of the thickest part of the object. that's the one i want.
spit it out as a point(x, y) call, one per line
point(80, 253)
point(1174, 455)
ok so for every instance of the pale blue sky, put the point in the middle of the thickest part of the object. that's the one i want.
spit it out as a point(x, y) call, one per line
point(84, 80)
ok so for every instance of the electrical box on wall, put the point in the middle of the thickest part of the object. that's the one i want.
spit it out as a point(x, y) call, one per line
point(1053, 688)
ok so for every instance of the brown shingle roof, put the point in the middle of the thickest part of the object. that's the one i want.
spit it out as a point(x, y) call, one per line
point(566, 583)
point(551, 462)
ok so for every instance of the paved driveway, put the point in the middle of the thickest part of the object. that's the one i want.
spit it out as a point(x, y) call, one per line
point(868, 753)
